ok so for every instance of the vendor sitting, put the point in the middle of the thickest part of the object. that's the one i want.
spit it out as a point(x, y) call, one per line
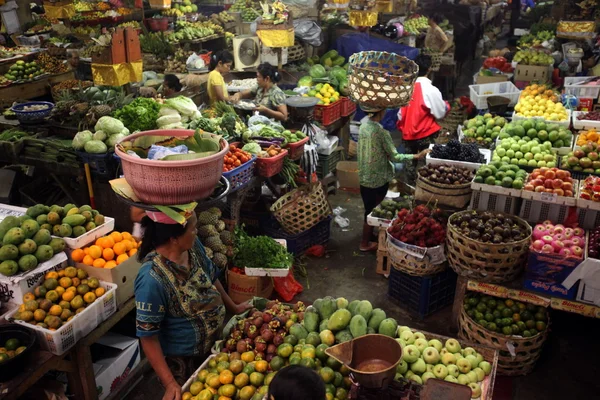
point(171, 85)
point(268, 97)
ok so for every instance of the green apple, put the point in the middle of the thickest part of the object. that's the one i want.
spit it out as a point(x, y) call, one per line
point(473, 360)
point(541, 164)
point(452, 345)
point(486, 367)
point(538, 156)
point(501, 152)
point(528, 156)
point(441, 371)
point(463, 379)
point(411, 353)
point(480, 374)
point(419, 335)
point(464, 365)
point(421, 344)
point(408, 374)
point(510, 153)
point(514, 161)
point(451, 378)
point(505, 160)
point(518, 154)
point(448, 359)
point(418, 367)
point(532, 163)
point(453, 370)
point(408, 337)
point(551, 164)
point(402, 329)
point(472, 375)
point(416, 378)
point(479, 358)
point(431, 355)
point(436, 344)
point(429, 368)
point(426, 376)
point(475, 390)
point(402, 343)
point(536, 149)
point(403, 367)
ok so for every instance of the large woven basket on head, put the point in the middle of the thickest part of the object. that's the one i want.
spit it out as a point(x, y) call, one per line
point(302, 208)
point(408, 263)
point(381, 80)
point(527, 349)
point(486, 262)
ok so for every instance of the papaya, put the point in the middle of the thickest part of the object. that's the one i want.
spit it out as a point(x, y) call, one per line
point(339, 320)
point(73, 211)
point(388, 327)
point(365, 309)
point(311, 320)
point(377, 316)
point(74, 219)
point(299, 331)
point(343, 336)
point(353, 306)
point(358, 326)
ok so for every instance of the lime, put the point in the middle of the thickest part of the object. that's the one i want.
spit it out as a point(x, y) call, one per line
point(12, 344)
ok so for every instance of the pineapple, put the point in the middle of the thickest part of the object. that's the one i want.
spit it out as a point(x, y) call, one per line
point(207, 218)
point(220, 260)
point(101, 110)
point(80, 108)
point(207, 231)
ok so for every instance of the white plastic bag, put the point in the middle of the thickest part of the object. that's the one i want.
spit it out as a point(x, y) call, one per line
point(194, 61)
point(339, 220)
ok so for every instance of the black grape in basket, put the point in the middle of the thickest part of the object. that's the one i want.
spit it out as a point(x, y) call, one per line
point(456, 151)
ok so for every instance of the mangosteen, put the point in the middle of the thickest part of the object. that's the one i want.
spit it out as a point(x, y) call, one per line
point(509, 221)
point(473, 223)
point(515, 231)
point(242, 346)
point(257, 314)
point(260, 346)
point(497, 239)
point(506, 232)
point(486, 237)
point(267, 317)
point(474, 235)
point(466, 217)
point(278, 340)
point(480, 227)
point(486, 216)
point(258, 322)
point(267, 334)
point(269, 357)
point(498, 230)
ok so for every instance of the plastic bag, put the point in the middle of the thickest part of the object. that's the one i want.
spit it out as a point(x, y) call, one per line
point(339, 220)
point(194, 61)
point(288, 287)
point(160, 152)
point(309, 31)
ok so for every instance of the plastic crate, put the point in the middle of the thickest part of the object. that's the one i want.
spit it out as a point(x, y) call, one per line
point(348, 106)
point(101, 165)
point(328, 163)
point(422, 295)
point(484, 200)
point(240, 176)
point(298, 244)
point(573, 87)
point(580, 124)
point(296, 150)
point(327, 115)
point(268, 167)
point(90, 236)
point(480, 93)
point(536, 211)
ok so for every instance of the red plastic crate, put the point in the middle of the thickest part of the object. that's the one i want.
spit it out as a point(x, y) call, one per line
point(295, 150)
point(327, 115)
point(268, 167)
point(348, 106)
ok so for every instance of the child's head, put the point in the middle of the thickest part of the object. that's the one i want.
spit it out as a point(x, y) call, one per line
point(297, 383)
point(424, 63)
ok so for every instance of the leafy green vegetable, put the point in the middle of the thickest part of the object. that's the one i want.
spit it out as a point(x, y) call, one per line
point(252, 148)
point(259, 252)
point(109, 125)
point(80, 139)
point(139, 115)
point(184, 105)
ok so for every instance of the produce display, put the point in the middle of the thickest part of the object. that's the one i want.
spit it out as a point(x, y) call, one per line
point(11, 348)
point(260, 252)
point(594, 243)
point(584, 159)
point(420, 227)
point(26, 242)
point(483, 129)
point(525, 152)
point(23, 71)
point(217, 240)
point(270, 151)
point(247, 8)
point(454, 150)
point(67, 221)
point(590, 188)
point(235, 158)
point(185, 7)
point(139, 115)
point(506, 316)
point(533, 57)
point(416, 25)
point(502, 174)
point(108, 251)
point(108, 131)
point(536, 40)
point(62, 295)
point(499, 63)
point(558, 239)
point(12, 135)
point(389, 208)
point(276, 13)
point(558, 136)
point(590, 116)
point(52, 65)
point(585, 136)
point(446, 174)
point(193, 30)
point(489, 227)
point(539, 101)
point(551, 180)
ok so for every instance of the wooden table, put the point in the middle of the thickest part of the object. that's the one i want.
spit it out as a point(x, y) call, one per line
point(31, 90)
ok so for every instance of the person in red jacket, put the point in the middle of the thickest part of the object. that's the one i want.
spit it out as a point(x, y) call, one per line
point(418, 120)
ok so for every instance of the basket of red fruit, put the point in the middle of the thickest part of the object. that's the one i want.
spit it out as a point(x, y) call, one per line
point(588, 202)
point(415, 242)
point(486, 246)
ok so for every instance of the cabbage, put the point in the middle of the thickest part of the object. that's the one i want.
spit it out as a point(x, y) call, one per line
point(95, 147)
point(167, 111)
point(125, 131)
point(184, 105)
point(113, 140)
point(252, 148)
point(80, 139)
point(109, 125)
point(99, 135)
point(305, 81)
point(176, 125)
point(168, 120)
point(317, 71)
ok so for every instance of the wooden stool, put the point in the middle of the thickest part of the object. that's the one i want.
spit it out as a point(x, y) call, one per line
point(383, 265)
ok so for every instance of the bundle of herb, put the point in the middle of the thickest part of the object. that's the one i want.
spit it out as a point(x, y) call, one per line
point(259, 252)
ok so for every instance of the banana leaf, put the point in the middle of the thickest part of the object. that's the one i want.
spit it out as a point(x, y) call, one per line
point(189, 156)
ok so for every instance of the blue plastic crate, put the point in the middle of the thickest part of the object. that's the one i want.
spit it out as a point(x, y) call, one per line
point(240, 176)
point(298, 244)
point(422, 295)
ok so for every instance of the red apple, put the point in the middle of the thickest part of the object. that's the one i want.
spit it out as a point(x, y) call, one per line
point(548, 249)
point(547, 239)
point(538, 244)
point(568, 193)
point(539, 189)
point(529, 187)
point(543, 170)
point(567, 186)
point(548, 184)
point(534, 175)
point(577, 251)
point(550, 174)
point(560, 174)
point(537, 182)
point(557, 183)
point(559, 192)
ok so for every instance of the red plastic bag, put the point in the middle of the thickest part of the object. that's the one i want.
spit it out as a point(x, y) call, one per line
point(318, 250)
point(288, 287)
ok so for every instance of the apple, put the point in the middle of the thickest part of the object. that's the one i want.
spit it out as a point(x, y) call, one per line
point(577, 241)
point(464, 365)
point(402, 367)
point(436, 344)
point(568, 193)
point(568, 233)
point(557, 245)
point(480, 374)
point(472, 376)
point(565, 252)
point(560, 174)
point(549, 174)
point(541, 163)
point(475, 390)
point(479, 358)
point(426, 376)
point(548, 183)
point(416, 378)
point(539, 189)
point(568, 243)
point(560, 237)
point(452, 345)
point(429, 368)
point(578, 232)
point(529, 187)
point(408, 337)
point(441, 371)
point(538, 244)
point(418, 367)
point(431, 355)
point(421, 344)
point(451, 378)
point(577, 251)
point(448, 359)
point(453, 370)
point(559, 228)
point(411, 353)
point(402, 329)
point(458, 356)
point(486, 367)
point(469, 351)
point(538, 182)
point(547, 239)
point(567, 186)
point(408, 374)
point(549, 224)
point(463, 379)
point(548, 249)
point(579, 153)
point(473, 360)
point(401, 342)
point(444, 351)
point(419, 335)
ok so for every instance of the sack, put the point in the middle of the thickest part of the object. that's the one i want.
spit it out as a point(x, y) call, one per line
point(288, 287)
point(309, 31)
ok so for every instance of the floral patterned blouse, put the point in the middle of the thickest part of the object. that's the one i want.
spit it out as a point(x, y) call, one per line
point(180, 305)
point(271, 99)
point(376, 152)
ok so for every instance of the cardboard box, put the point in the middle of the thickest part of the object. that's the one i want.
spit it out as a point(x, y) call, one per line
point(13, 288)
point(242, 287)
point(532, 73)
point(347, 174)
point(114, 357)
point(123, 275)
point(481, 79)
point(546, 272)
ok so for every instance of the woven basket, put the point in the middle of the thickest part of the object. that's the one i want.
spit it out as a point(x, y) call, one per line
point(486, 262)
point(453, 119)
point(436, 59)
point(296, 53)
point(407, 263)
point(527, 350)
point(302, 208)
point(456, 196)
point(381, 80)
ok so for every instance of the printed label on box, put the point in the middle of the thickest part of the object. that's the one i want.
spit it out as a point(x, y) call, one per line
point(553, 289)
point(528, 297)
point(487, 288)
point(574, 307)
point(548, 197)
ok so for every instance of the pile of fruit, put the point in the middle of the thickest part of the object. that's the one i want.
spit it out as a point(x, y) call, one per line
point(216, 239)
point(186, 6)
point(483, 129)
point(248, 9)
point(193, 30)
point(325, 93)
point(586, 136)
point(540, 101)
point(52, 65)
point(533, 57)
point(499, 63)
point(420, 227)
point(551, 180)
point(62, 295)
point(415, 25)
point(531, 40)
point(270, 151)
point(456, 151)
point(508, 317)
point(173, 12)
point(557, 135)
point(590, 116)
point(488, 227)
point(177, 63)
point(4, 81)
point(594, 243)
point(424, 359)
point(235, 158)
point(525, 152)
point(446, 174)
point(23, 71)
point(11, 348)
point(584, 159)
point(67, 221)
point(388, 208)
point(501, 174)
point(108, 251)
point(590, 188)
point(557, 239)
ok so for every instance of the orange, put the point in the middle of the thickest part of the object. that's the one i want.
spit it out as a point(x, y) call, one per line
point(68, 295)
point(72, 288)
point(119, 248)
point(126, 236)
point(65, 282)
point(77, 281)
point(110, 264)
point(89, 297)
point(88, 260)
point(28, 296)
point(61, 273)
point(71, 272)
point(122, 258)
point(52, 274)
point(108, 254)
point(55, 310)
point(99, 292)
point(86, 250)
point(116, 236)
point(95, 251)
point(132, 252)
point(128, 245)
point(99, 263)
point(226, 377)
point(60, 290)
point(77, 255)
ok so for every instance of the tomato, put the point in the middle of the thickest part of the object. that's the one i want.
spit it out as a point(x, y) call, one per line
point(232, 147)
point(237, 163)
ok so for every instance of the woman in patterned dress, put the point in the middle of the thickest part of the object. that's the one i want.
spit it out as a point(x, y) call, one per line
point(179, 299)
point(268, 97)
point(376, 153)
